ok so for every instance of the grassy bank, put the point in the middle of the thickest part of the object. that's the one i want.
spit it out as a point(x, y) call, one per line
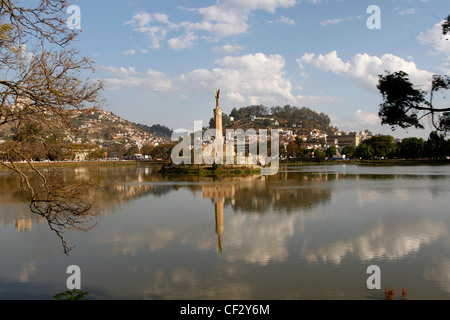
point(222, 170)
point(400, 162)
point(77, 164)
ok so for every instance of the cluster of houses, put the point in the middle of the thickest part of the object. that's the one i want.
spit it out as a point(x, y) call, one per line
point(317, 139)
point(123, 133)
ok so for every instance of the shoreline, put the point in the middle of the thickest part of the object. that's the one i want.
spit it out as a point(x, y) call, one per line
point(76, 164)
point(368, 162)
point(224, 170)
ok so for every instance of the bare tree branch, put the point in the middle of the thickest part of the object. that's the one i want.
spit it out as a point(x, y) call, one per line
point(40, 88)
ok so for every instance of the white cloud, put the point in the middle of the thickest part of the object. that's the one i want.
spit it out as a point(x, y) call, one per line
point(129, 52)
point(434, 38)
point(364, 69)
point(223, 19)
point(186, 41)
point(445, 67)
point(266, 5)
point(143, 19)
point(253, 78)
point(406, 11)
point(142, 22)
point(227, 49)
point(362, 119)
point(286, 20)
point(327, 22)
point(331, 21)
point(150, 81)
point(358, 120)
point(314, 100)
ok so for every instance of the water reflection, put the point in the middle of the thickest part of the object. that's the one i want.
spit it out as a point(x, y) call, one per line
point(392, 239)
point(266, 236)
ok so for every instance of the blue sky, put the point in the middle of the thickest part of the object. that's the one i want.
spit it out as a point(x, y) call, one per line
point(162, 60)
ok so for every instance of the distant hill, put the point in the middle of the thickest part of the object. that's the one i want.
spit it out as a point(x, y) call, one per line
point(156, 129)
point(104, 128)
point(301, 120)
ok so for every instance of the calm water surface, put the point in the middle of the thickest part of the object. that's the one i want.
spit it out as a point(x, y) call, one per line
point(304, 233)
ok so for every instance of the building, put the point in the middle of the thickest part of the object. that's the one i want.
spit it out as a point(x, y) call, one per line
point(340, 140)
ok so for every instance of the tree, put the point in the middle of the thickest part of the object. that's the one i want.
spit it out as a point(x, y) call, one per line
point(405, 106)
point(318, 153)
point(147, 149)
point(348, 151)
point(436, 146)
point(381, 146)
point(412, 148)
point(364, 151)
point(292, 149)
point(97, 154)
point(330, 152)
point(131, 151)
point(40, 83)
point(446, 26)
point(162, 151)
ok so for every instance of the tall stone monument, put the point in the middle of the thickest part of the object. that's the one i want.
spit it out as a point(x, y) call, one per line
point(218, 118)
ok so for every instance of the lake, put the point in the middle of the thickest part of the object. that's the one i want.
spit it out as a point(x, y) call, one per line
point(308, 232)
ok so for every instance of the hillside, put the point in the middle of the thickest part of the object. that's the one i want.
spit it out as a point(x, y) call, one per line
point(103, 128)
point(301, 120)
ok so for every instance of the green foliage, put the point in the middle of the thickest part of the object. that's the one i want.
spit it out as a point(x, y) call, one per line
point(215, 166)
point(400, 100)
point(412, 148)
point(436, 146)
point(404, 106)
point(30, 131)
point(364, 151)
point(97, 154)
point(382, 146)
point(288, 114)
point(348, 151)
point(162, 151)
point(246, 112)
point(131, 151)
point(294, 149)
point(71, 295)
point(446, 26)
point(330, 152)
point(156, 129)
point(319, 153)
point(303, 115)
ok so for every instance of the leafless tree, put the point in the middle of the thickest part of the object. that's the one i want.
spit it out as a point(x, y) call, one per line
point(41, 83)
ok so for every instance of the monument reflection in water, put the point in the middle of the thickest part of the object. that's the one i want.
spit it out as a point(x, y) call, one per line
point(304, 233)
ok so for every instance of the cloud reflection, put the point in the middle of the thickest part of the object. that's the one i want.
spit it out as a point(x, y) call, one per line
point(388, 239)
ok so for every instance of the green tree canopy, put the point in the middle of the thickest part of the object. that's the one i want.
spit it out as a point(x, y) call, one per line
point(411, 148)
point(377, 146)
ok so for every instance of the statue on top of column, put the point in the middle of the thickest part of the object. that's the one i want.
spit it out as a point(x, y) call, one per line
point(217, 98)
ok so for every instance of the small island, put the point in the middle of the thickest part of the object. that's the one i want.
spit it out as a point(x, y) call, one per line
point(214, 169)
